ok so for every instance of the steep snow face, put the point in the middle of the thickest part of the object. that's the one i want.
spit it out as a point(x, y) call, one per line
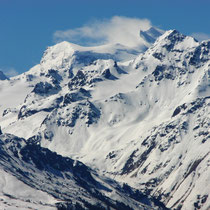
point(143, 121)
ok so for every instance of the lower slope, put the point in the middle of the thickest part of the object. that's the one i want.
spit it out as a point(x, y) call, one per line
point(59, 182)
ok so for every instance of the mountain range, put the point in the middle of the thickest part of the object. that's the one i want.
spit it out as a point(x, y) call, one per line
point(109, 127)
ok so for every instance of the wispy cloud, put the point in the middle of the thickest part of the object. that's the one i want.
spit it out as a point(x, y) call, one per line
point(201, 36)
point(118, 29)
point(9, 72)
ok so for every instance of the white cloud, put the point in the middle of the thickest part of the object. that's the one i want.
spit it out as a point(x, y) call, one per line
point(118, 29)
point(201, 36)
point(9, 72)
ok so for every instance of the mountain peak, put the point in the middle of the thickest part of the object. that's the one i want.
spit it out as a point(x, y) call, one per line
point(3, 76)
point(174, 40)
point(151, 34)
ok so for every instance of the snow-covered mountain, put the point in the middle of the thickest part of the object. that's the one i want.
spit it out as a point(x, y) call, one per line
point(2, 76)
point(144, 122)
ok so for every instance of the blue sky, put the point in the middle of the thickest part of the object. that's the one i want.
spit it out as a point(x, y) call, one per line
point(29, 26)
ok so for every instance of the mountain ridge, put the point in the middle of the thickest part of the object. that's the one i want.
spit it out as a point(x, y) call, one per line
point(125, 119)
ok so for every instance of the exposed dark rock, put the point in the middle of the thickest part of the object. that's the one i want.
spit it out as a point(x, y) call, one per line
point(24, 112)
point(201, 54)
point(78, 80)
point(48, 135)
point(36, 139)
point(106, 73)
point(82, 110)
point(174, 37)
point(96, 79)
point(29, 77)
point(27, 111)
point(200, 201)
point(111, 155)
point(158, 72)
point(179, 109)
point(163, 71)
point(193, 167)
point(72, 97)
point(159, 56)
point(43, 88)
point(81, 94)
point(54, 75)
point(196, 105)
point(119, 70)
point(131, 165)
point(9, 110)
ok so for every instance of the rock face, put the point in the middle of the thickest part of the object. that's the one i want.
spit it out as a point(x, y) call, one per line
point(144, 122)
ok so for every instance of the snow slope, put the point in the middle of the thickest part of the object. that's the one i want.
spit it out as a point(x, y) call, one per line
point(141, 119)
